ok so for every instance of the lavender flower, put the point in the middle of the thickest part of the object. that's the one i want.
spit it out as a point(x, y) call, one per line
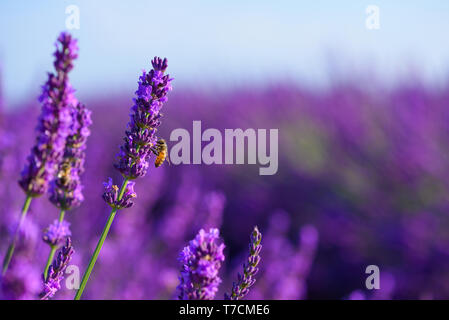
point(66, 188)
point(52, 283)
point(141, 134)
point(56, 233)
point(245, 281)
point(134, 154)
point(54, 121)
point(201, 260)
point(111, 195)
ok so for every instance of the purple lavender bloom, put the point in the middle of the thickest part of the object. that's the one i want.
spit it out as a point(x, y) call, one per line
point(140, 136)
point(66, 188)
point(201, 260)
point(247, 280)
point(111, 195)
point(56, 232)
point(56, 271)
point(54, 121)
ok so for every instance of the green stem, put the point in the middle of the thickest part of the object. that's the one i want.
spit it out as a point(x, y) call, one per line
point(61, 216)
point(53, 249)
point(12, 246)
point(51, 255)
point(104, 234)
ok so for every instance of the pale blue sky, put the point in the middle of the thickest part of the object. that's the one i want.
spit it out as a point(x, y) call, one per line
point(222, 42)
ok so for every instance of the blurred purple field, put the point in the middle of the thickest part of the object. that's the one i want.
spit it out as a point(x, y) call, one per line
point(362, 179)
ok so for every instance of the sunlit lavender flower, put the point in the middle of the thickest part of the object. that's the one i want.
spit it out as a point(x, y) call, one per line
point(140, 140)
point(245, 281)
point(54, 121)
point(111, 195)
point(201, 260)
point(66, 188)
point(56, 271)
point(56, 232)
point(141, 134)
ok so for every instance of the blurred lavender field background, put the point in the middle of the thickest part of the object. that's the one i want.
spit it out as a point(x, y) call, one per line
point(363, 175)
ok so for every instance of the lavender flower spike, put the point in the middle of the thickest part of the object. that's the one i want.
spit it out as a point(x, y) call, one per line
point(201, 260)
point(66, 188)
point(140, 140)
point(245, 281)
point(56, 233)
point(52, 283)
point(54, 121)
point(52, 130)
point(141, 132)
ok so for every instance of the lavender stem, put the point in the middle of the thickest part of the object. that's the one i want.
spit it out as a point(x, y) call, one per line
point(12, 246)
point(53, 249)
point(104, 234)
point(61, 215)
point(51, 255)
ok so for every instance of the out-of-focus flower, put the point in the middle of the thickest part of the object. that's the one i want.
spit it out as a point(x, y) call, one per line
point(56, 271)
point(292, 285)
point(111, 195)
point(56, 232)
point(66, 188)
point(54, 121)
point(141, 134)
point(357, 295)
point(241, 288)
point(6, 143)
point(181, 215)
point(201, 260)
point(22, 281)
point(215, 202)
point(28, 237)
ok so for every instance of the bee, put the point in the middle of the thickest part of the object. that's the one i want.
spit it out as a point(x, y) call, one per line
point(161, 151)
point(64, 173)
